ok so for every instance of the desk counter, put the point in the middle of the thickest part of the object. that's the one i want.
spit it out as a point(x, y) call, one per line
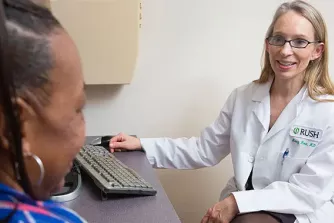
point(126, 209)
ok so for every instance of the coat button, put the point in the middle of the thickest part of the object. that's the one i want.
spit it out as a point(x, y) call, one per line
point(251, 159)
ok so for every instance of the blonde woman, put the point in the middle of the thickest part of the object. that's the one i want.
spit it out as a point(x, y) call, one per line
point(278, 129)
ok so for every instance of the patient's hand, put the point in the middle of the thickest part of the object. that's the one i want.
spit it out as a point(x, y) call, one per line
point(124, 142)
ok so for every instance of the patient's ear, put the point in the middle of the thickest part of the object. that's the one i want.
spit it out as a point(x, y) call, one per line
point(29, 121)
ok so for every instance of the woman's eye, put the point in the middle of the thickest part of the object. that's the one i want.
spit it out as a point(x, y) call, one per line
point(300, 41)
point(79, 110)
point(277, 40)
point(280, 39)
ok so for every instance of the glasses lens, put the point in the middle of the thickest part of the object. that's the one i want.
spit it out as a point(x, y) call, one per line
point(299, 43)
point(276, 40)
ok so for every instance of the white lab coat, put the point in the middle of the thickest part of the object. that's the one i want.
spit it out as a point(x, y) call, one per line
point(301, 183)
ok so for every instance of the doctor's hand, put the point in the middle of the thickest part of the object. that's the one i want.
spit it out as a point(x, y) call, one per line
point(222, 212)
point(124, 142)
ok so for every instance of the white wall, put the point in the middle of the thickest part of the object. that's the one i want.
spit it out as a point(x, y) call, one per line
point(192, 54)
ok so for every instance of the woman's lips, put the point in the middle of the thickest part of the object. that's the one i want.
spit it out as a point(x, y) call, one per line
point(283, 65)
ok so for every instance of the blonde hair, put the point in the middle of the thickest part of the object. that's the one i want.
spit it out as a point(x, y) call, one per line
point(316, 75)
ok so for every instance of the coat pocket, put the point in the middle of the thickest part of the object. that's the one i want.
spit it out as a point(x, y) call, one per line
point(290, 166)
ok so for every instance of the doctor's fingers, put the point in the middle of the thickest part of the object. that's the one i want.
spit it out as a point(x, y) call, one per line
point(214, 216)
point(117, 146)
point(205, 219)
point(120, 137)
point(217, 217)
point(124, 142)
point(117, 143)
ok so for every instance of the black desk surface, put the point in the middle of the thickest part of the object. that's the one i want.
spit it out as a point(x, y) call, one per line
point(148, 209)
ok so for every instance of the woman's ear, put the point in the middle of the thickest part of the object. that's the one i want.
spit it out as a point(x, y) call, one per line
point(317, 52)
point(28, 118)
point(266, 45)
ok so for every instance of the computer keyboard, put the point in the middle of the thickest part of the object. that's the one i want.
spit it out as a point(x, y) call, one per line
point(110, 174)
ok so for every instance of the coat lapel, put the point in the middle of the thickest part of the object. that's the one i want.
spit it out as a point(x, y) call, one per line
point(261, 109)
point(288, 115)
point(261, 106)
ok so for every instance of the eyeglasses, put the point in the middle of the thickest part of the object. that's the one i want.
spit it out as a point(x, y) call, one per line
point(296, 43)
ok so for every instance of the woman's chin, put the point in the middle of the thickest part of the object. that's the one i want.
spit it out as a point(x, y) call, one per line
point(285, 75)
point(59, 186)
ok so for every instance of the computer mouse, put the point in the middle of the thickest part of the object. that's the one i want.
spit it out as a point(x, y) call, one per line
point(102, 141)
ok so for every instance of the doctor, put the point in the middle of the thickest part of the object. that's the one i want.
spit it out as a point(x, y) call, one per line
point(278, 129)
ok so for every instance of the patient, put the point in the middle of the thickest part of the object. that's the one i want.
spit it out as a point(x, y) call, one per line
point(42, 127)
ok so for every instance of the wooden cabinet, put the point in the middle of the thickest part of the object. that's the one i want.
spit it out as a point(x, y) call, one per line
point(106, 34)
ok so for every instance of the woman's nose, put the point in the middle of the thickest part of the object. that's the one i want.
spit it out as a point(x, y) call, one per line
point(286, 49)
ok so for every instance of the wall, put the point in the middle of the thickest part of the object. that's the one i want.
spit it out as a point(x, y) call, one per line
point(192, 54)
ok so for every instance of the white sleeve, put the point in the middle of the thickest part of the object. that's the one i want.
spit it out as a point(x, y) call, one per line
point(189, 153)
point(305, 191)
